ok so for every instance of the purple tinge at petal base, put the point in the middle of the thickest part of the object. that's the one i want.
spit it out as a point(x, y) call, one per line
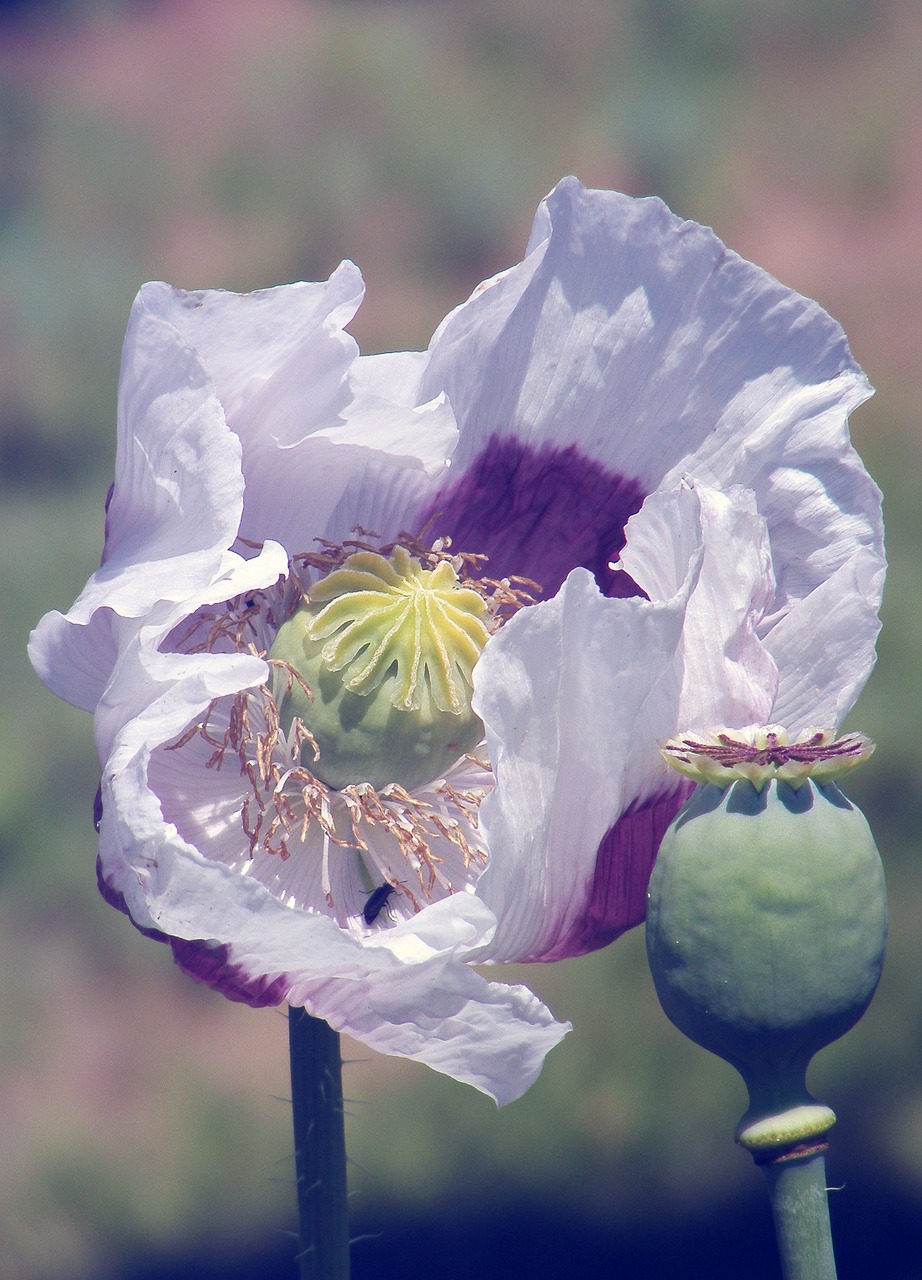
point(204, 961)
point(539, 512)
point(618, 898)
point(209, 962)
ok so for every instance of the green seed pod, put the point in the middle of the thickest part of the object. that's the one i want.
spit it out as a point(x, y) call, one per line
point(386, 649)
point(766, 927)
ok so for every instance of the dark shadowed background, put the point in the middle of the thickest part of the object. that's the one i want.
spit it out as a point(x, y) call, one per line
point(239, 144)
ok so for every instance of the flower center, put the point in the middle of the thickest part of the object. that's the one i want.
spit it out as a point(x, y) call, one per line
point(377, 665)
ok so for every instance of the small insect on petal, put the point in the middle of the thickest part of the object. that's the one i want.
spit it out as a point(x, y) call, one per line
point(377, 901)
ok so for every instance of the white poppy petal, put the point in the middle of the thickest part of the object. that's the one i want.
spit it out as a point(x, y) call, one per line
point(311, 418)
point(379, 467)
point(173, 510)
point(249, 341)
point(729, 676)
point(392, 375)
point(574, 694)
point(628, 351)
point(837, 625)
point(650, 430)
point(409, 991)
point(74, 659)
point(489, 1034)
point(142, 670)
point(640, 338)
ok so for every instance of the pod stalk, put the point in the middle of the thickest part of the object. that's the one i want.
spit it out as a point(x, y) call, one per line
point(800, 1208)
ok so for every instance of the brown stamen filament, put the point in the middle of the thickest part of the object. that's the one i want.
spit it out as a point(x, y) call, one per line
point(284, 798)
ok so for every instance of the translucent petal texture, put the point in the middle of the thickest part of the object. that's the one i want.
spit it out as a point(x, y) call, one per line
point(310, 432)
point(652, 429)
point(728, 675)
point(144, 672)
point(575, 695)
point(406, 990)
point(644, 345)
point(256, 343)
point(221, 393)
point(837, 622)
point(172, 516)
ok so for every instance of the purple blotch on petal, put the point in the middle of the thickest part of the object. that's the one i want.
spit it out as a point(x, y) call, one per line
point(539, 512)
point(618, 897)
point(209, 962)
point(206, 962)
point(115, 898)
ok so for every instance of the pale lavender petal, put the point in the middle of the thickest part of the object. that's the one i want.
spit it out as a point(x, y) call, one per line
point(174, 508)
point(408, 989)
point(824, 647)
point(640, 338)
point(319, 431)
point(393, 375)
point(251, 342)
point(491, 1035)
point(810, 486)
point(642, 344)
point(380, 465)
point(143, 672)
point(574, 694)
point(729, 677)
point(74, 659)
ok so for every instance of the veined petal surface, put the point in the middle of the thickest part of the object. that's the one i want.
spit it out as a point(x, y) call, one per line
point(575, 695)
point(407, 990)
point(638, 343)
point(649, 430)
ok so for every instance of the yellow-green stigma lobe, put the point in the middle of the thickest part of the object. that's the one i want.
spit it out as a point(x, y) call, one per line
point(387, 649)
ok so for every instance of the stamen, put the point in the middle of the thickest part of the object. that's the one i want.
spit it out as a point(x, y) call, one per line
point(403, 838)
point(325, 870)
point(285, 800)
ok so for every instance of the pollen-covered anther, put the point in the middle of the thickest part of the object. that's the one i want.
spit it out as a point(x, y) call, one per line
point(760, 753)
point(285, 801)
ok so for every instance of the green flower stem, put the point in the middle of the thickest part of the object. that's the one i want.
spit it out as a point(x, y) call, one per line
point(320, 1147)
point(797, 1186)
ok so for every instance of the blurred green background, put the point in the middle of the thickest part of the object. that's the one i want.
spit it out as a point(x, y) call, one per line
point(240, 144)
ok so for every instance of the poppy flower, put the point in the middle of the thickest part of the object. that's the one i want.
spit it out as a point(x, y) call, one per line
point(382, 648)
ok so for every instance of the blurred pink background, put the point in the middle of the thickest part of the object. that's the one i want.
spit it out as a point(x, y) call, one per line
point(225, 143)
